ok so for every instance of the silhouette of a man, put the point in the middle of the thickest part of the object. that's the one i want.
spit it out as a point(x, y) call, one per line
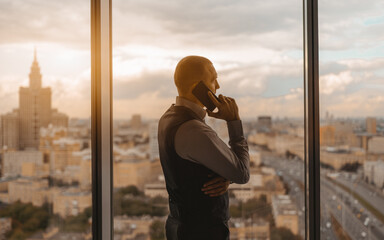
point(197, 164)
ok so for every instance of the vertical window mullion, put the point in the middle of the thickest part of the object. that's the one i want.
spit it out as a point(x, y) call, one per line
point(101, 117)
point(311, 101)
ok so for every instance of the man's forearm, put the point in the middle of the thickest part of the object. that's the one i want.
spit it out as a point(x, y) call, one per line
point(239, 145)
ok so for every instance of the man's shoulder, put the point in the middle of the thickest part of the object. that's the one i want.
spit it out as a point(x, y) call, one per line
point(195, 127)
point(177, 113)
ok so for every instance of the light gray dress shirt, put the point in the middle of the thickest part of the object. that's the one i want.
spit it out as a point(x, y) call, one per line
point(199, 143)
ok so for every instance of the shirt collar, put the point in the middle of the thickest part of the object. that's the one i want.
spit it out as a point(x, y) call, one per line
point(180, 101)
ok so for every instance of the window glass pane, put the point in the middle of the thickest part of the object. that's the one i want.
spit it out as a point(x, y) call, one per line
point(45, 156)
point(351, 119)
point(256, 48)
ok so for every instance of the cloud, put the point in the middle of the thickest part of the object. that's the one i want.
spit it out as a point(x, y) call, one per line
point(342, 24)
point(288, 105)
point(236, 77)
point(350, 75)
point(363, 102)
point(256, 46)
point(149, 105)
point(261, 78)
point(334, 82)
point(132, 87)
point(67, 22)
point(364, 64)
point(208, 23)
point(221, 17)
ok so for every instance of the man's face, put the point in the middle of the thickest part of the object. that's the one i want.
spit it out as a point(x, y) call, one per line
point(211, 79)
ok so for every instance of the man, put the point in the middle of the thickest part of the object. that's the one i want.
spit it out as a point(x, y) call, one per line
point(197, 164)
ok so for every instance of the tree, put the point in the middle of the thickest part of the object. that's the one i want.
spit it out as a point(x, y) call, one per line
point(131, 202)
point(18, 234)
point(131, 189)
point(26, 219)
point(350, 167)
point(253, 207)
point(158, 200)
point(283, 234)
point(77, 223)
point(156, 230)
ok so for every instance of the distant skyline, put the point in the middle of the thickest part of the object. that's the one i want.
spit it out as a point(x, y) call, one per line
point(255, 47)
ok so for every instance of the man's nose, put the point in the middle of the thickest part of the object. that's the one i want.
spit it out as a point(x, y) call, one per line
point(217, 85)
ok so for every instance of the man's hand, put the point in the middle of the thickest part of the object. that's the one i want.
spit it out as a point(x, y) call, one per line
point(227, 107)
point(216, 186)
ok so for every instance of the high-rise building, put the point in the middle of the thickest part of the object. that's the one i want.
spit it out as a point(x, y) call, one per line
point(327, 135)
point(371, 125)
point(13, 162)
point(374, 173)
point(153, 143)
point(71, 202)
point(241, 228)
point(34, 108)
point(136, 121)
point(375, 145)
point(339, 133)
point(21, 128)
point(285, 213)
point(264, 123)
point(10, 130)
point(30, 190)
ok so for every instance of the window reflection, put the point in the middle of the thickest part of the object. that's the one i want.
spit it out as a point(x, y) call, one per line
point(351, 126)
point(45, 156)
point(257, 51)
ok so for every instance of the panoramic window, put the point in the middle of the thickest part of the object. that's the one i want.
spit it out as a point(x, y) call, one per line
point(351, 65)
point(45, 184)
point(257, 50)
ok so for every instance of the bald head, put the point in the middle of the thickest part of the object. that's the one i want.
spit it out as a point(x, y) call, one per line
point(191, 70)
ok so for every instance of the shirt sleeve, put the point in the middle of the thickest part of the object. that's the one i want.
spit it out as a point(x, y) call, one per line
point(197, 142)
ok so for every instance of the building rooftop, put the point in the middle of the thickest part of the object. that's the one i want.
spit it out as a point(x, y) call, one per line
point(133, 152)
point(240, 222)
point(66, 140)
point(283, 205)
point(157, 185)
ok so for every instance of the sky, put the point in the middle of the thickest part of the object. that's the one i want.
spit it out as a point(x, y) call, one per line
point(255, 46)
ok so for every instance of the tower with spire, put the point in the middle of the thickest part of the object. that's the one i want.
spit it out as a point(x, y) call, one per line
point(34, 108)
point(34, 112)
point(35, 75)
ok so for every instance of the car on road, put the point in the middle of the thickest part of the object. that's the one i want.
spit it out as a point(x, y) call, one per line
point(366, 221)
point(328, 224)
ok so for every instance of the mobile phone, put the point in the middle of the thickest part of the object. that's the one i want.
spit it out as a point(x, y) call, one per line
point(201, 93)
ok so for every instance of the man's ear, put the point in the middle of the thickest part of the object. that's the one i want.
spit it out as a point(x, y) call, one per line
point(194, 85)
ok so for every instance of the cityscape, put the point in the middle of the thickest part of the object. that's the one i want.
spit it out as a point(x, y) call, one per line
point(257, 48)
point(45, 184)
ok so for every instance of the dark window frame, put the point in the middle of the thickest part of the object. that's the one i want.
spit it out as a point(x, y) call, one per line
point(101, 117)
point(311, 121)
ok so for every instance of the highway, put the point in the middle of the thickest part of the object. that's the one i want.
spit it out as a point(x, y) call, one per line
point(373, 197)
point(291, 172)
point(348, 213)
point(334, 200)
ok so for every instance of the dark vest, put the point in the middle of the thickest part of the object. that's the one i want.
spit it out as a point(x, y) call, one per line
point(184, 178)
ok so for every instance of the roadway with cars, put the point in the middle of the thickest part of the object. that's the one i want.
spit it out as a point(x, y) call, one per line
point(349, 214)
point(355, 219)
point(373, 197)
point(286, 170)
